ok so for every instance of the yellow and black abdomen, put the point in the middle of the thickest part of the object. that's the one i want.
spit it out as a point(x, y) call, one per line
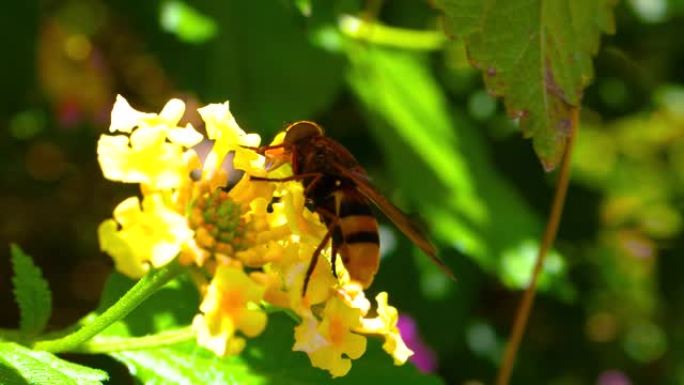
point(356, 236)
point(342, 207)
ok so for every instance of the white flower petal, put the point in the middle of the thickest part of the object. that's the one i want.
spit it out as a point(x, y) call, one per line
point(125, 117)
point(172, 112)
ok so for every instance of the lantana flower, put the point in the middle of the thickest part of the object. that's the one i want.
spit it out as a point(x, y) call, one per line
point(252, 242)
point(331, 343)
point(230, 305)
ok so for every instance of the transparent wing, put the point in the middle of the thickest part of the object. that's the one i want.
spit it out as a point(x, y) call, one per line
point(410, 230)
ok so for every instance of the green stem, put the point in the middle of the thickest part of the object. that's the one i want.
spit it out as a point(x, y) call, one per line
point(148, 285)
point(376, 33)
point(117, 344)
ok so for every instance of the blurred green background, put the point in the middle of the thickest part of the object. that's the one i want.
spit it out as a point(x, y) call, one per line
point(406, 102)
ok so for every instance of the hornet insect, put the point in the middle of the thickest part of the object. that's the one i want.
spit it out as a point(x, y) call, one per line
point(339, 190)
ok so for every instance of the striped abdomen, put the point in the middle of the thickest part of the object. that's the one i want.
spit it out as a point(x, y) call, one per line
point(355, 238)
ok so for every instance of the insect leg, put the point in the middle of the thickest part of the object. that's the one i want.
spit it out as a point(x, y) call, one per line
point(316, 254)
point(263, 149)
point(333, 259)
point(334, 223)
point(286, 179)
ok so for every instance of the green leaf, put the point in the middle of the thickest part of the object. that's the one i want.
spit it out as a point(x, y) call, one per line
point(444, 167)
point(264, 63)
point(536, 55)
point(268, 359)
point(31, 292)
point(185, 22)
point(20, 365)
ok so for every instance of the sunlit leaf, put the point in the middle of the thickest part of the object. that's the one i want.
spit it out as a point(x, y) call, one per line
point(268, 359)
point(536, 55)
point(186, 22)
point(22, 366)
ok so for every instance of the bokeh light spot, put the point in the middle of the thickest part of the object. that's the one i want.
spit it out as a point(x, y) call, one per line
point(601, 327)
point(613, 377)
point(645, 342)
point(517, 264)
point(388, 241)
point(27, 124)
point(481, 105)
point(77, 47)
point(45, 162)
point(652, 11)
point(481, 339)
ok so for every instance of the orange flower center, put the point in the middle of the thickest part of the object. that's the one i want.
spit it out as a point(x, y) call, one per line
point(232, 302)
point(336, 330)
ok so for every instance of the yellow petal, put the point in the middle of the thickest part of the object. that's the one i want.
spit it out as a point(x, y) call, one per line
point(249, 161)
point(354, 346)
point(224, 130)
point(330, 361)
point(127, 212)
point(352, 294)
point(153, 234)
point(395, 346)
point(122, 252)
point(308, 339)
point(145, 138)
point(112, 153)
point(252, 322)
point(216, 342)
point(186, 136)
point(172, 112)
point(125, 117)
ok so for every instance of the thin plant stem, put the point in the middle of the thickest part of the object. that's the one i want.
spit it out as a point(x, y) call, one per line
point(525, 307)
point(117, 344)
point(145, 287)
point(367, 30)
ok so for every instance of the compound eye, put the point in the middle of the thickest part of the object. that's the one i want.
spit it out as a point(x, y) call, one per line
point(302, 130)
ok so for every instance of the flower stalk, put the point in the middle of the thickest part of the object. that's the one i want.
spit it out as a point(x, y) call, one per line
point(145, 287)
point(115, 344)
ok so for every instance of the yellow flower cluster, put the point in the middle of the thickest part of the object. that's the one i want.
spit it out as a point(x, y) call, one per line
point(254, 249)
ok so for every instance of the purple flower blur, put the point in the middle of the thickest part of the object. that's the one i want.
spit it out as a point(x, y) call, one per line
point(613, 377)
point(423, 358)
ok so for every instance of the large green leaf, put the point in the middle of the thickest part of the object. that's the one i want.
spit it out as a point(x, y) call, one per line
point(536, 55)
point(268, 359)
point(31, 292)
point(22, 366)
point(262, 60)
point(443, 167)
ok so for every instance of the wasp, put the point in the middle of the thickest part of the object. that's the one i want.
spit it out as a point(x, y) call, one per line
point(338, 189)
